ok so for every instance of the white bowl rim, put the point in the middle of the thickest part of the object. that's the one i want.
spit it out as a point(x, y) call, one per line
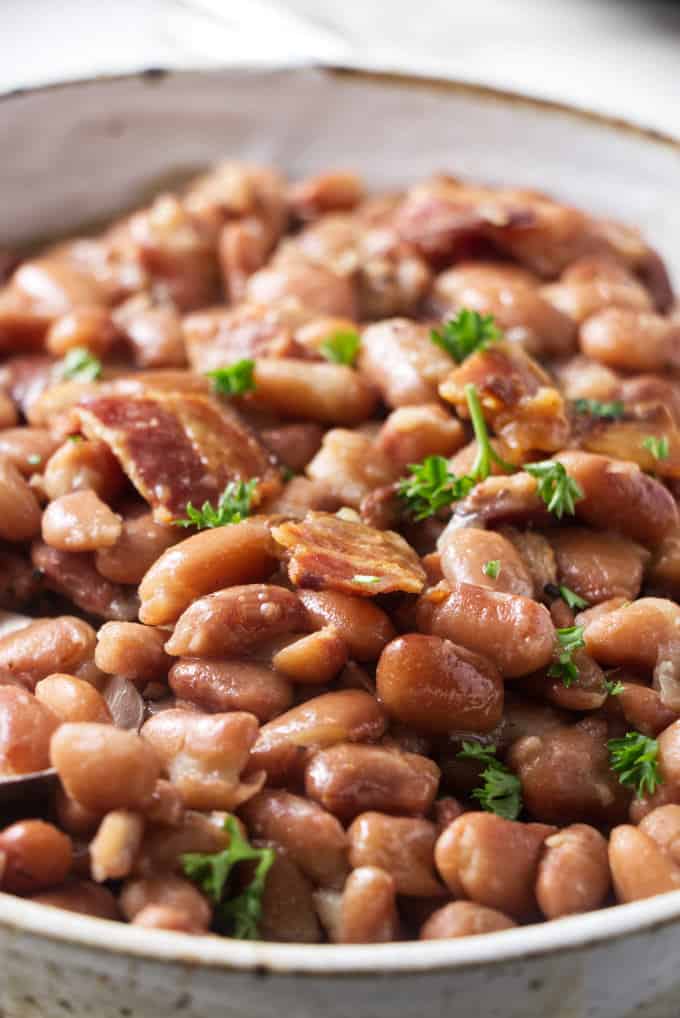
point(20, 917)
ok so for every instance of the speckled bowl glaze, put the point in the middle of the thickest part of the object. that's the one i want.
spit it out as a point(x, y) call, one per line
point(78, 153)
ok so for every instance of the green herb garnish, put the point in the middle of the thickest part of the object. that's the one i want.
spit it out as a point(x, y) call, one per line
point(570, 639)
point(341, 347)
point(235, 379)
point(572, 599)
point(486, 454)
point(613, 410)
point(501, 792)
point(79, 365)
point(613, 687)
point(635, 759)
point(558, 490)
point(365, 578)
point(467, 333)
point(658, 446)
point(432, 487)
point(492, 568)
point(34, 459)
point(234, 505)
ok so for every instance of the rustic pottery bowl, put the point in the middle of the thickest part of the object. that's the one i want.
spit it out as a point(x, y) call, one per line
point(77, 153)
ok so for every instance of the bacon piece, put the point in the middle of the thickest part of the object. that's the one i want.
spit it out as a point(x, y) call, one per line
point(178, 448)
point(217, 337)
point(330, 552)
point(623, 439)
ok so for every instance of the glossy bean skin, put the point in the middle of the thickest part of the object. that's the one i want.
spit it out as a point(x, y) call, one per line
point(19, 509)
point(436, 686)
point(639, 867)
point(219, 686)
point(630, 340)
point(669, 755)
point(288, 912)
point(88, 326)
point(141, 542)
point(313, 838)
point(104, 768)
point(313, 659)
point(368, 913)
point(83, 897)
point(8, 413)
point(349, 715)
point(411, 433)
point(73, 575)
point(663, 826)
point(598, 566)
point(46, 646)
point(203, 563)
point(163, 846)
point(83, 465)
point(233, 621)
point(348, 779)
point(573, 874)
point(514, 632)
point(325, 192)
point(80, 522)
point(398, 358)
point(133, 651)
point(37, 856)
point(26, 727)
point(166, 891)
point(28, 449)
point(351, 465)
point(72, 699)
point(329, 393)
point(402, 846)
point(464, 919)
point(632, 634)
point(115, 845)
point(465, 552)
point(492, 861)
point(362, 625)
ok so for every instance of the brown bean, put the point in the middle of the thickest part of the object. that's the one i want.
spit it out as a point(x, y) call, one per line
point(8, 414)
point(72, 699)
point(133, 651)
point(28, 449)
point(235, 620)
point(203, 563)
point(363, 626)
point(45, 646)
point(402, 846)
point(349, 715)
point(435, 686)
point(639, 867)
point(141, 542)
point(322, 193)
point(231, 685)
point(115, 845)
point(598, 566)
point(411, 433)
point(641, 707)
point(288, 912)
point(351, 465)
point(26, 727)
point(573, 874)
point(83, 465)
point(166, 890)
point(166, 917)
point(80, 522)
point(368, 912)
point(466, 552)
point(627, 339)
point(663, 572)
point(73, 575)
point(493, 861)
point(312, 837)
point(153, 332)
point(163, 846)
point(669, 755)
point(203, 755)
point(74, 818)
point(464, 919)
point(514, 632)
point(349, 779)
point(313, 659)
point(81, 896)
point(631, 635)
point(326, 393)
point(316, 286)
point(399, 359)
point(19, 509)
point(37, 856)
point(104, 768)
point(293, 444)
point(662, 825)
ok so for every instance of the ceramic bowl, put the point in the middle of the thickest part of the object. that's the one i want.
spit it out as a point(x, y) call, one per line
point(80, 152)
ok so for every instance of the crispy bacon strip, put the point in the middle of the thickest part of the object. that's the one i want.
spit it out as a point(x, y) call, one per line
point(216, 337)
point(178, 448)
point(329, 552)
point(624, 438)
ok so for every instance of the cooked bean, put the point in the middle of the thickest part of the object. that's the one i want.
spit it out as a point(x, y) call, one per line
point(133, 651)
point(627, 339)
point(203, 563)
point(399, 359)
point(73, 575)
point(293, 444)
point(669, 755)
point(362, 625)
point(351, 465)
point(72, 699)
point(325, 192)
point(19, 509)
point(514, 632)
point(163, 846)
point(573, 874)
point(104, 768)
point(349, 715)
point(81, 896)
point(28, 449)
point(141, 542)
point(37, 856)
point(312, 837)
point(464, 919)
point(46, 646)
point(465, 553)
point(88, 325)
point(316, 286)
point(83, 466)
point(492, 861)
point(166, 891)
point(80, 522)
point(153, 332)
point(348, 779)
point(641, 707)
point(368, 913)
point(598, 566)
point(8, 413)
point(74, 818)
point(288, 912)
point(166, 917)
point(231, 685)
point(402, 846)
point(235, 620)
point(436, 686)
point(166, 805)
point(411, 433)
point(662, 825)
point(204, 754)
point(631, 635)
point(115, 845)
point(329, 393)
point(640, 868)
point(314, 659)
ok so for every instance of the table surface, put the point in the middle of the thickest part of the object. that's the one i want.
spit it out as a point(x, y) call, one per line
point(620, 57)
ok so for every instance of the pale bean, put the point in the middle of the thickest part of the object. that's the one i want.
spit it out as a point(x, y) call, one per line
point(166, 917)
point(669, 755)
point(351, 466)
point(115, 845)
point(466, 552)
point(72, 699)
point(315, 196)
point(399, 359)
point(598, 566)
point(411, 433)
point(81, 896)
point(166, 890)
point(662, 825)
point(326, 393)
point(83, 465)
point(142, 541)
point(80, 522)
point(363, 626)
point(639, 867)
point(19, 509)
point(231, 685)
point(314, 659)
point(368, 912)
point(73, 818)
point(163, 846)
point(627, 339)
point(133, 651)
point(631, 635)
point(316, 286)
point(28, 449)
point(288, 912)
point(88, 325)
point(294, 444)
point(8, 413)
point(464, 919)
point(37, 856)
point(402, 846)
point(573, 874)
point(46, 646)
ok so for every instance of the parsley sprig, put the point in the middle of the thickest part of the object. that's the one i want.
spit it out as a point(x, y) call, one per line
point(657, 445)
point(79, 365)
point(569, 639)
point(558, 490)
point(571, 598)
point(467, 333)
point(486, 454)
point(492, 568)
point(501, 791)
point(341, 347)
point(238, 916)
point(234, 505)
point(612, 410)
point(613, 687)
point(235, 379)
point(635, 759)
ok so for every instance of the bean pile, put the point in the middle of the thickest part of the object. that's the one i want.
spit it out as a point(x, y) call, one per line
point(347, 527)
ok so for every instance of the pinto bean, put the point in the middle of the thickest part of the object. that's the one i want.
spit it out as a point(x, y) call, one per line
point(19, 509)
point(72, 699)
point(314, 659)
point(349, 715)
point(73, 575)
point(351, 466)
point(399, 359)
point(203, 756)
point(362, 625)
point(115, 845)
point(231, 685)
point(166, 890)
point(639, 867)
point(203, 563)
point(37, 856)
point(26, 727)
point(28, 449)
point(465, 552)
point(73, 818)
point(133, 651)
point(641, 708)
point(348, 779)
point(464, 919)
point(294, 444)
point(368, 912)
point(435, 686)
point(669, 755)
point(402, 846)
point(80, 522)
point(316, 286)
point(45, 646)
point(663, 573)
point(235, 620)
point(104, 768)
point(411, 433)
point(325, 192)
point(82, 466)
point(88, 325)
point(493, 861)
point(288, 912)
point(141, 542)
point(81, 896)
point(330, 393)
point(573, 874)
point(163, 846)
point(313, 838)
point(19, 583)
point(8, 414)
point(514, 632)
point(631, 635)
point(566, 776)
point(598, 566)
point(626, 339)
point(663, 826)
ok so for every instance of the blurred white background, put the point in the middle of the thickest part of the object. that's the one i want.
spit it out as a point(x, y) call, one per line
point(621, 57)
